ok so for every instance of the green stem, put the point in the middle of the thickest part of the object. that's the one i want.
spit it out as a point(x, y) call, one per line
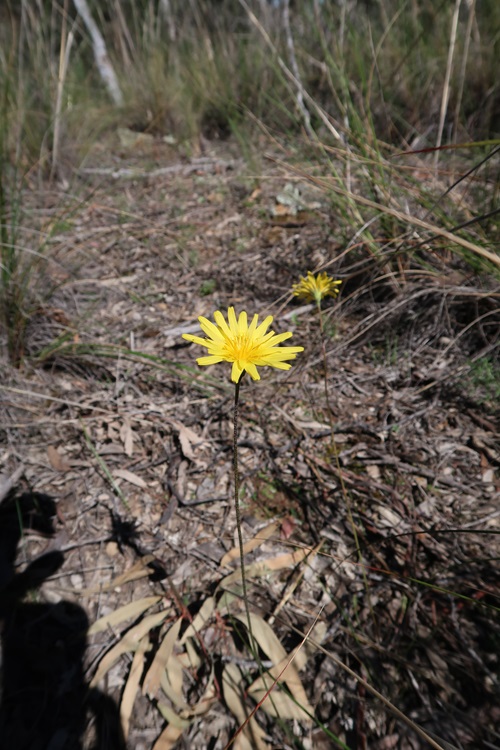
point(238, 513)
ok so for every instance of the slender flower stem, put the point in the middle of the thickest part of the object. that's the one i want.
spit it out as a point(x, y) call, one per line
point(254, 649)
point(238, 510)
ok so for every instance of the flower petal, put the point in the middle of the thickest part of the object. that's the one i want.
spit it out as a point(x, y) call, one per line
point(211, 359)
point(242, 324)
point(233, 323)
point(194, 339)
point(236, 371)
point(253, 325)
point(277, 339)
point(210, 329)
point(252, 371)
point(260, 330)
point(221, 322)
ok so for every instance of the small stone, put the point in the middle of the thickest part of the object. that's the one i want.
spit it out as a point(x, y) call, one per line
point(488, 476)
point(76, 581)
point(111, 549)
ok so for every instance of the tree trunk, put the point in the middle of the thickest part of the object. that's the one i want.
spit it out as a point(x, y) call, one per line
point(100, 53)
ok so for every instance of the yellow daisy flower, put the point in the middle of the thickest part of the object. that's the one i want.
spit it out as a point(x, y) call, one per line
point(246, 346)
point(314, 288)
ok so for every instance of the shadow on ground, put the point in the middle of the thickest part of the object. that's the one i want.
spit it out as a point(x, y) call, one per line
point(45, 701)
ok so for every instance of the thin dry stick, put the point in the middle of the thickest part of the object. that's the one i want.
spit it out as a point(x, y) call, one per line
point(446, 86)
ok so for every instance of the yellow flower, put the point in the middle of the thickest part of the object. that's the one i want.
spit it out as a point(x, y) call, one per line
point(246, 346)
point(314, 288)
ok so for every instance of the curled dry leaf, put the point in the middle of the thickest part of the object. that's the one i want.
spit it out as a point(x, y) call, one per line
point(127, 612)
point(264, 567)
point(251, 544)
point(283, 669)
point(173, 719)
point(159, 664)
point(127, 438)
point(200, 619)
point(190, 658)
point(275, 702)
point(132, 685)
point(129, 476)
point(188, 439)
point(252, 735)
point(129, 642)
point(168, 738)
point(57, 460)
point(171, 680)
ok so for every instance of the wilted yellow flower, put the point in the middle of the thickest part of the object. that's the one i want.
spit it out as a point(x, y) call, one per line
point(246, 346)
point(314, 288)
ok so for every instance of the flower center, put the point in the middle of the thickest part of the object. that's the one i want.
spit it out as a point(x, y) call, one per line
point(240, 349)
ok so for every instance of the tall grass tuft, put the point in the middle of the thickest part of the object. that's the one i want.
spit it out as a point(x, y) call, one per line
point(12, 313)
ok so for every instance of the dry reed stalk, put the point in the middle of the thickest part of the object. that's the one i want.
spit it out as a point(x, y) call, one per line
point(64, 53)
point(463, 67)
point(446, 87)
